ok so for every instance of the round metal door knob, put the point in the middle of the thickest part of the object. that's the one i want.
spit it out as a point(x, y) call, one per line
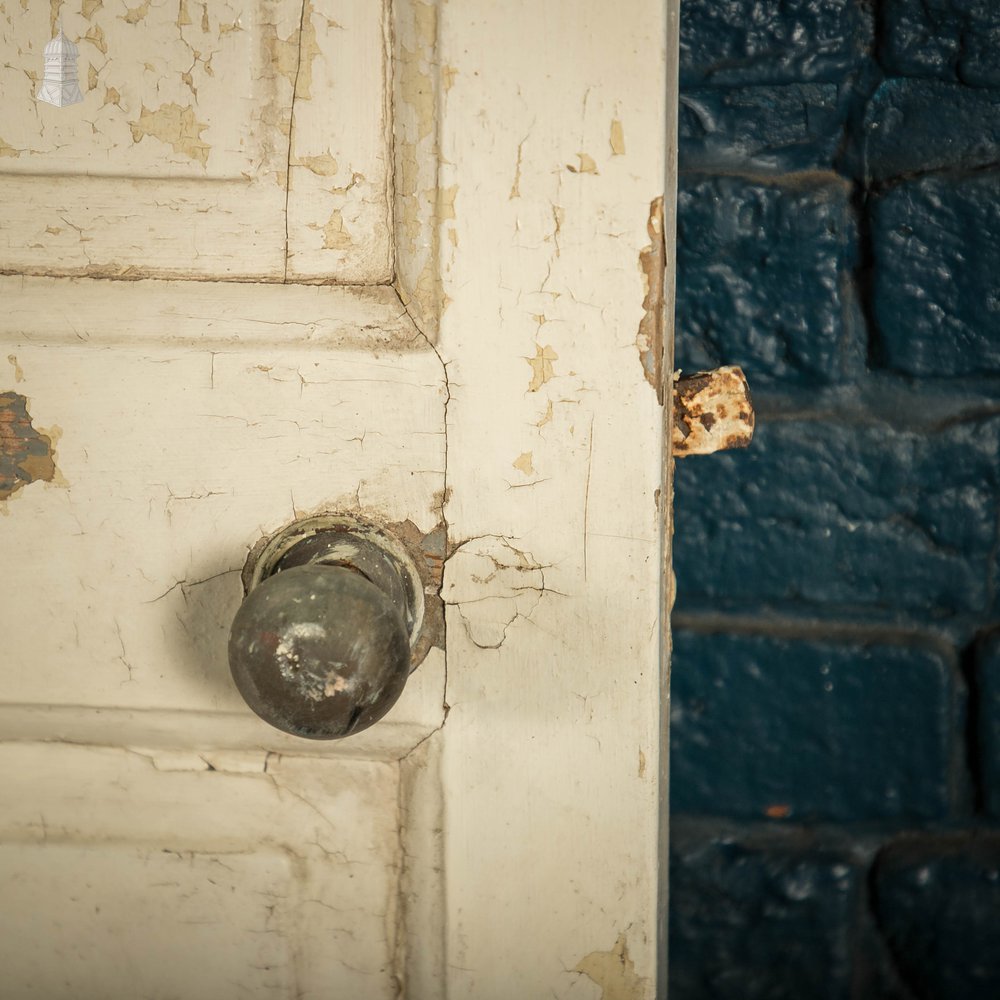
point(320, 647)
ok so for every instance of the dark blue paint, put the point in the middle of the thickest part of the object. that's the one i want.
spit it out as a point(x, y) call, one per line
point(843, 515)
point(937, 275)
point(937, 900)
point(987, 721)
point(776, 129)
point(760, 921)
point(945, 39)
point(839, 236)
point(734, 42)
point(807, 729)
point(764, 276)
point(915, 126)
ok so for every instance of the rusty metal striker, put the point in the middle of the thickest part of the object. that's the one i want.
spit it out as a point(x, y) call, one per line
point(712, 412)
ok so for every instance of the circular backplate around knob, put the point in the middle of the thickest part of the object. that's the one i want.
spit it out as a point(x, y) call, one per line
point(319, 651)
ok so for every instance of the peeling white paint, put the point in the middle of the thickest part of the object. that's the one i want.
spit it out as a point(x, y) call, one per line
point(445, 839)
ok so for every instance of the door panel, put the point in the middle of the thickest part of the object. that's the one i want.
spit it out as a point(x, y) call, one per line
point(132, 874)
point(185, 421)
point(203, 145)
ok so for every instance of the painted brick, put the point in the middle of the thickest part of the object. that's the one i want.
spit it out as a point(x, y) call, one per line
point(765, 726)
point(914, 126)
point(764, 276)
point(880, 507)
point(759, 922)
point(937, 275)
point(988, 721)
point(734, 42)
point(794, 127)
point(937, 902)
point(947, 39)
point(831, 515)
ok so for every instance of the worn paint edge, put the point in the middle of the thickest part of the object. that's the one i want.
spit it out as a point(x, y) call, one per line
point(418, 201)
point(671, 35)
point(419, 957)
point(27, 453)
point(652, 264)
point(206, 313)
point(614, 971)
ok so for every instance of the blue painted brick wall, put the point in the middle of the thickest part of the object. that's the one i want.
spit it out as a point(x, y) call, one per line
point(937, 274)
point(806, 729)
point(943, 39)
point(836, 675)
point(766, 269)
point(987, 720)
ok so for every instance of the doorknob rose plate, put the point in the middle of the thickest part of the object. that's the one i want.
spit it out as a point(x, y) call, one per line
point(321, 646)
point(343, 540)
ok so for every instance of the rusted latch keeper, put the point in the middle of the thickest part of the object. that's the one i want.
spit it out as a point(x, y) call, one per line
point(712, 411)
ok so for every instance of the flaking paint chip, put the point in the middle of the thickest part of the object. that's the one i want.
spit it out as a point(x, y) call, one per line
point(133, 15)
point(26, 454)
point(587, 165)
point(617, 138)
point(614, 971)
point(96, 38)
point(323, 165)
point(176, 126)
point(335, 233)
point(524, 464)
point(541, 366)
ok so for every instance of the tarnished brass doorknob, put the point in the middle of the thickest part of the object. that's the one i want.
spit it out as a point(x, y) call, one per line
point(321, 645)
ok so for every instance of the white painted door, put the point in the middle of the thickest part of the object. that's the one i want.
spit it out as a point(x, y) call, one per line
point(404, 260)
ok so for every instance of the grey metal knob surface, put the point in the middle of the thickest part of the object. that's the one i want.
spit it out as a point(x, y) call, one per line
point(320, 647)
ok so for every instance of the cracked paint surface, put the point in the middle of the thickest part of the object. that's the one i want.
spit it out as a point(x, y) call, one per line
point(251, 372)
point(270, 874)
point(422, 210)
point(26, 454)
point(155, 56)
point(287, 100)
point(318, 425)
point(339, 165)
point(493, 585)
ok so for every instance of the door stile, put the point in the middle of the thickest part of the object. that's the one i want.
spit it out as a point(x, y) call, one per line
point(554, 152)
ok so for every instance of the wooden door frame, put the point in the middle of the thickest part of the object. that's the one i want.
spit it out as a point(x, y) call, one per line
point(555, 304)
